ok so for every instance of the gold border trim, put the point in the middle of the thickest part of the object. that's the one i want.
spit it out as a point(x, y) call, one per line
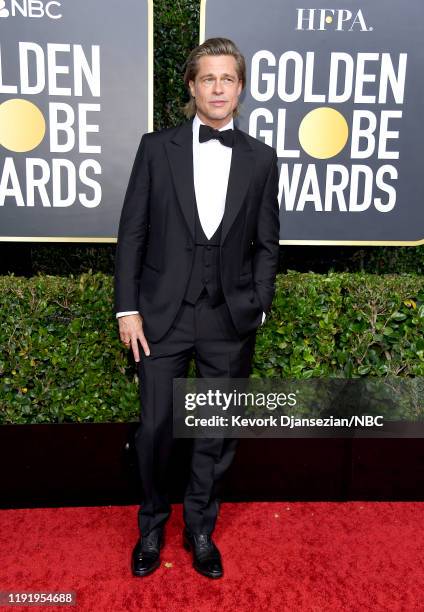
point(111, 240)
point(150, 68)
point(88, 239)
point(355, 242)
point(202, 24)
point(150, 100)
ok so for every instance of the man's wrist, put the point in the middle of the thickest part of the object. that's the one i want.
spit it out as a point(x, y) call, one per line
point(126, 313)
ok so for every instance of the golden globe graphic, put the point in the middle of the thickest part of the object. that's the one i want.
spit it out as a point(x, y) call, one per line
point(74, 102)
point(323, 132)
point(22, 125)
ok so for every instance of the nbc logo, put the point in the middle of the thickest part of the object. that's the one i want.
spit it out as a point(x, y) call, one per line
point(31, 8)
point(3, 10)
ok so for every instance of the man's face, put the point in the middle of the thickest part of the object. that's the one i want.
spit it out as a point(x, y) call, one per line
point(216, 89)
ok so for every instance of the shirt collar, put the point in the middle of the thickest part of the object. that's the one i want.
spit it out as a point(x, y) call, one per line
point(197, 122)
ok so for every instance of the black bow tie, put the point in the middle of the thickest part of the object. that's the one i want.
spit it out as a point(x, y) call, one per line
point(226, 137)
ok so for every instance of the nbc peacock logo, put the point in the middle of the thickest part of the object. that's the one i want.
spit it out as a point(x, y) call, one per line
point(31, 9)
point(3, 10)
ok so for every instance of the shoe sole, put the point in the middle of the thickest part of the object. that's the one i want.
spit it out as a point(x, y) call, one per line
point(149, 571)
point(188, 548)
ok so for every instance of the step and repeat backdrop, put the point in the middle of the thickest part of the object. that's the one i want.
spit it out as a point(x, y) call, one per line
point(338, 91)
point(76, 95)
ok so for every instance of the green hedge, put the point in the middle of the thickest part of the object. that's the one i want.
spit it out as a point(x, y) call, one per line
point(62, 361)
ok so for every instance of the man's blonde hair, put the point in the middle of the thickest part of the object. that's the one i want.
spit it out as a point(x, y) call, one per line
point(212, 46)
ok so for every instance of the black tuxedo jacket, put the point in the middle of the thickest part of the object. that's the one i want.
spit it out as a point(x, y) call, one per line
point(156, 232)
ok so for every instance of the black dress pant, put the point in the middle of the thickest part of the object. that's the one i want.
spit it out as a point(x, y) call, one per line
point(208, 333)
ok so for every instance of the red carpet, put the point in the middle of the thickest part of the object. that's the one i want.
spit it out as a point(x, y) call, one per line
point(293, 557)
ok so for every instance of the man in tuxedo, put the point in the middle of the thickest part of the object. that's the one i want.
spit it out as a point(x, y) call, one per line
point(196, 263)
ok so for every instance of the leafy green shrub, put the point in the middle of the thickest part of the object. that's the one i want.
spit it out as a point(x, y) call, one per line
point(61, 357)
point(344, 325)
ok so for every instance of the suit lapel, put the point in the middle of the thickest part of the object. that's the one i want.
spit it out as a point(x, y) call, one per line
point(241, 172)
point(180, 156)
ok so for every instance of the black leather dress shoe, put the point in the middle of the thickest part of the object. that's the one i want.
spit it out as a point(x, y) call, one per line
point(146, 553)
point(206, 556)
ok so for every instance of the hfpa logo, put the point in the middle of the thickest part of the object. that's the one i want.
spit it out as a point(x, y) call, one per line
point(31, 8)
point(337, 19)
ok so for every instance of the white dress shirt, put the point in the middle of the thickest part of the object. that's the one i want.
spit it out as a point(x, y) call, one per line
point(211, 169)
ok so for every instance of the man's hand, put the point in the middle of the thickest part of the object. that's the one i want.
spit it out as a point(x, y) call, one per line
point(130, 331)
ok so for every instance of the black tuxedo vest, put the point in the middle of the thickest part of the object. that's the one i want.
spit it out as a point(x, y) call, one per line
point(205, 273)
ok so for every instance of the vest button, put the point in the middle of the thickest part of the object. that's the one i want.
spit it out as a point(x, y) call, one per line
point(208, 248)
